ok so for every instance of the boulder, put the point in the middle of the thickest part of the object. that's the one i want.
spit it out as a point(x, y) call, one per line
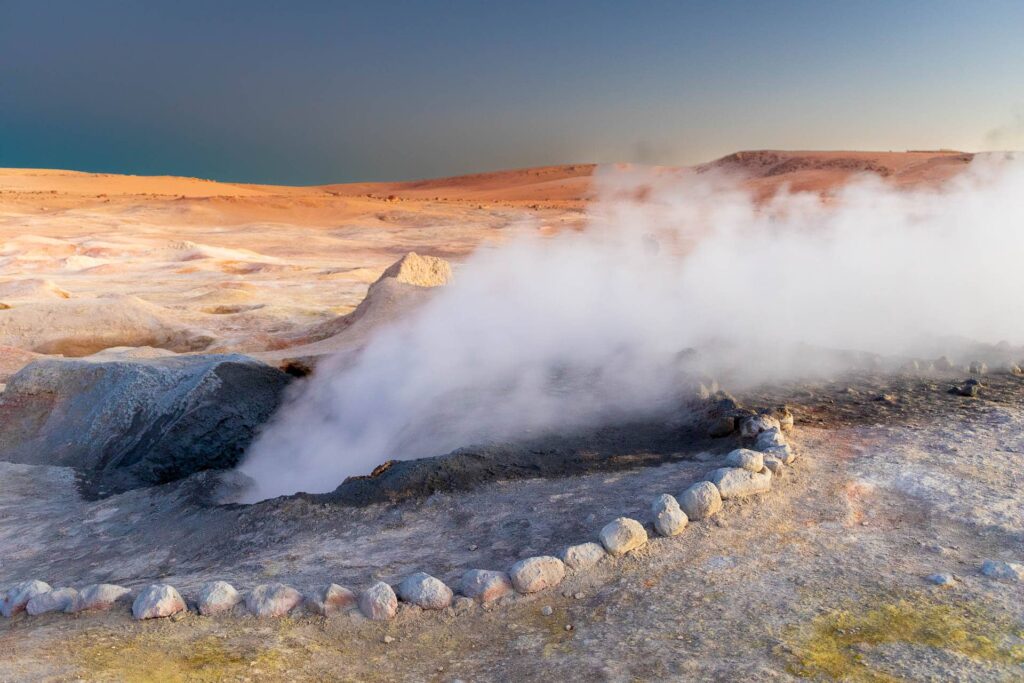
point(332, 599)
point(272, 600)
point(485, 585)
point(134, 423)
point(622, 535)
point(425, 591)
point(1006, 571)
point(379, 602)
point(746, 459)
point(735, 482)
point(582, 556)
point(537, 573)
point(57, 600)
point(17, 597)
point(755, 424)
point(700, 501)
point(158, 600)
point(669, 520)
point(216, 597)
point(98, 596)
point(769, 439)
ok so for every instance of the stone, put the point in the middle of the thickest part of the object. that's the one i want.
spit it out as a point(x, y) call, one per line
point(534, 574)
point(582, 556)
point(746, 459)
point(978, 368)
point(784, 453)
point(943, 363)
point(722, 426)
point(755, 424)
point(623, 535)
point(1007, 571)
point(156, 601)
point(425, 591)
point(98, 596)
point(669, 520)
point(17, 597)
point(944, 580)
point(332, 599)
point(771, 438)
point(485, 585)
point(379, 602)
point(134, 423)
point(547, 610)
point(700, 501)
point(216, 597)
point(774, 464)
point(734, 482)
point(51, 601)
point(272, 600)
point(970, 388)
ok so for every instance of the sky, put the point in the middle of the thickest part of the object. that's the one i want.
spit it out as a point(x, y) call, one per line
point(317, 92)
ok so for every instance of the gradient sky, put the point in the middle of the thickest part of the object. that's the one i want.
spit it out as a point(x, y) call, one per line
point(316, 92)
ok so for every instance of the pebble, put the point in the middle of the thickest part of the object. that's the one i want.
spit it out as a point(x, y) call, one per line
point(537, 573)
point(733, 482)
point(547, 610)
point(700, 501)
point(485, 585)
point(157, 600)
point(746, 459)
point(51, 601)
point(98, 596)
point(17, 597)
point(426, 591)
point(272, 600)
point(332, 599)
point(582, 556)
point(669, 520)
point(379, 602)
point(942, 579)
point(389, 639)
point(622, 535)
point(216, 597)
point(1009, 571)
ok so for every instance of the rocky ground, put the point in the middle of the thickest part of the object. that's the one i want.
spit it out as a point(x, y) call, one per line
point(823, 577)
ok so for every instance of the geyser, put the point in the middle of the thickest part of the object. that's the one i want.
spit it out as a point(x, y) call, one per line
point(552, 333)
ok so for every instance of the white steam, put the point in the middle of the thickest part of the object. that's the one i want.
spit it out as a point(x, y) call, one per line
point(547, 333)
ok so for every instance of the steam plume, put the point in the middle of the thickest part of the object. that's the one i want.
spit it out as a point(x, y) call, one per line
point(546, 333)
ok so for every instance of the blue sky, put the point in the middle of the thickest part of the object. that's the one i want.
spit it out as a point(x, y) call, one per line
point(315, 92)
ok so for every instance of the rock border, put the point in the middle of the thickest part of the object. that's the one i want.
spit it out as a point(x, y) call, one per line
point(745, 472)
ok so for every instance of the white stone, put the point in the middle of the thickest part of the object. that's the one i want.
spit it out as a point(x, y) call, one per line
point(485, 585)
point(669, 520)
point(216, 597)
point(774, 464)
point(755, 424)
point(98, 596)
point(769, 439)
point(746, 459)
point(537, 573)
point(1010, 571)
point(733, 482)
point(426, 591)
point(622, 535)
point(272, 600)
point(700, 501)
point(17, 597)
point(783, 453)
point(51, 601)
point(158, 600)
point(379, 602)
point(332, 599)
point(582, 556)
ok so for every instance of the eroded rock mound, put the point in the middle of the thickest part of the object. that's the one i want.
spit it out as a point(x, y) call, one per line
point(129, 424)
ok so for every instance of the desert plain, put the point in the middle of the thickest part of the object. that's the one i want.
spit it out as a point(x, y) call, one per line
point(864, 561)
